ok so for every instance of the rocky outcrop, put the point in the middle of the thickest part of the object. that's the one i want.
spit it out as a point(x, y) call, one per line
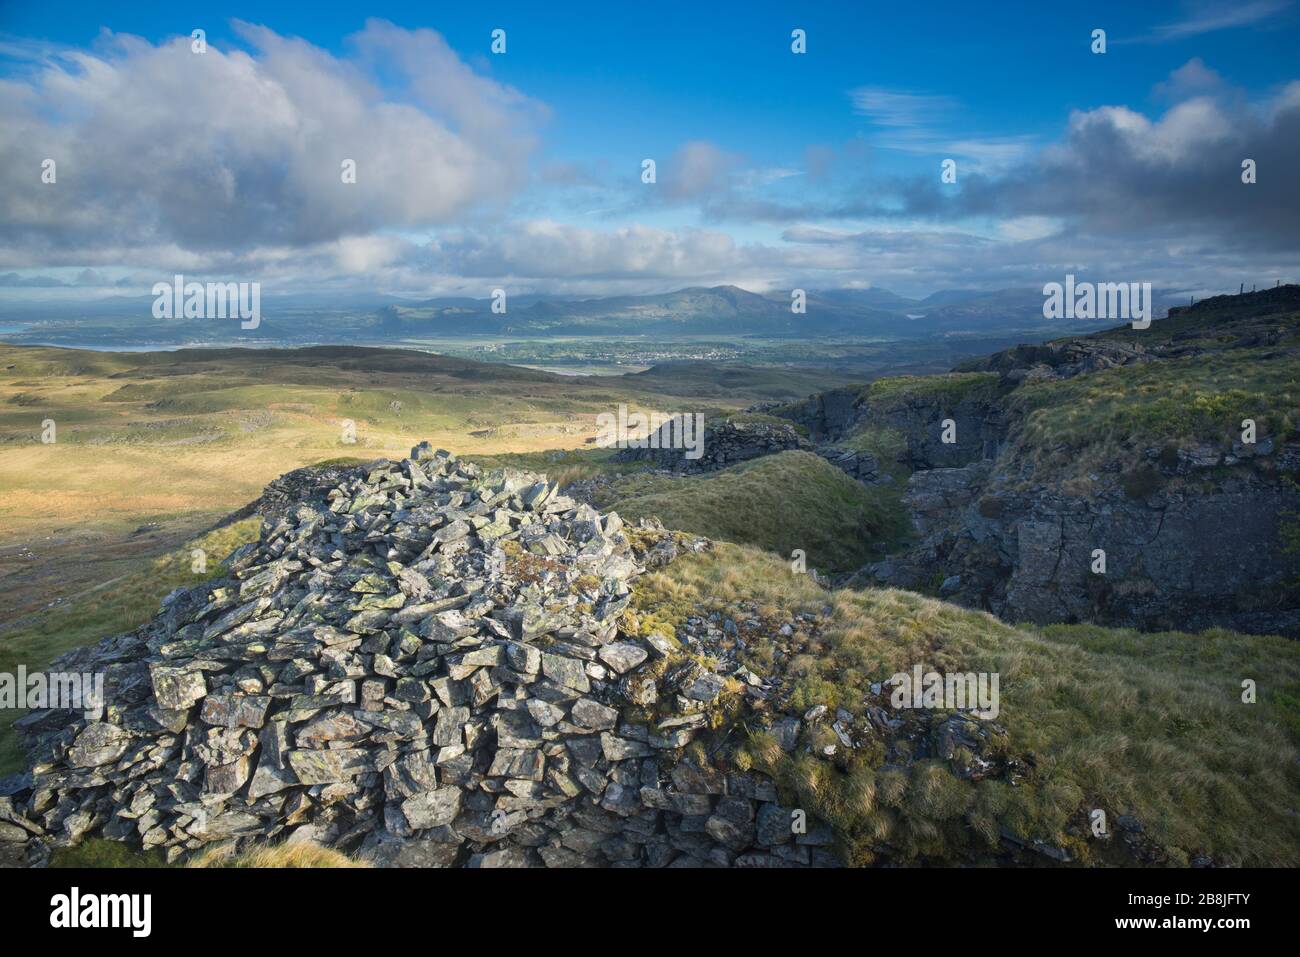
point(724, 444)
point(941, 429)
point(1064, 359)
point(1189, 537)
point(1248, 321)
point(424, 665)
point(826, 415)
point(941, 432)
point(1196, 549)
point(860, 465)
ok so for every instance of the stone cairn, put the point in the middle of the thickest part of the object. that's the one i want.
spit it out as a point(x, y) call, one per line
point(422, 666)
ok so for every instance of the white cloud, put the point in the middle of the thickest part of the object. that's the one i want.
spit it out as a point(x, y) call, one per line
point(1029, 227)
point(898, 108)
point(228, 150)
point(1193, 78)
point(1214, 15)
point(697, 169)
point(913, 122)
point(1120, 175)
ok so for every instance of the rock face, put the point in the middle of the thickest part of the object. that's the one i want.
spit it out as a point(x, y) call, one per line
point(725, 443)
point(1061, 360)
point(979, 423)
point(827, 415)
point(856, 464)
point(1192, 535)
point(421, 664)
point(1190, 555)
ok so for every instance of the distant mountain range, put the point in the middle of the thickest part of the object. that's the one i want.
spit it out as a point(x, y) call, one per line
point(730, 310)
point(696, 311)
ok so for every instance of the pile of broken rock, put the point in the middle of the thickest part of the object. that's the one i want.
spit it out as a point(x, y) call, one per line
point(423, 666)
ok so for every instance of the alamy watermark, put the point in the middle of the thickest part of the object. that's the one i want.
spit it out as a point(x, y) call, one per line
point(39, 690)
point(950, 690)
point(1106, 300)
point(654, 431)
point(133, 912)
point(214, 300)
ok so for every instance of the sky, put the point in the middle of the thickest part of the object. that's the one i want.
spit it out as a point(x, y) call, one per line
point(524, 168)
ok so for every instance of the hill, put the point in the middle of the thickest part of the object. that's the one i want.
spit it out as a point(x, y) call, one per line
point(150, 448)
point(1149, 730)
point(792, 500)
point(244, 416)
point(727, 311)
point(1139, 478)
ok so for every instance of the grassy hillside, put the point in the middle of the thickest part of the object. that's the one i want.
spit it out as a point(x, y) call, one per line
point(1071, 425)
point(563, 465)
point(950, 387)
point(778, 503)
point(722, 381)
point(169, 442)
point(1210, 367)
point(1136, 724)
point(1146, 725)
point(147, 436)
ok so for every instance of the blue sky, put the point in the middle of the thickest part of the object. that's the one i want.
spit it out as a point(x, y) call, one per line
point(478, 169)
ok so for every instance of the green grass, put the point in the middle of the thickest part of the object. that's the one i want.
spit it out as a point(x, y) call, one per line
point(950, 388)
point(885, 444)
point(792, 500)
point(101, 852)
point(1073, 424)
point(1133, 723)
point(121, 606)
point(563, 466)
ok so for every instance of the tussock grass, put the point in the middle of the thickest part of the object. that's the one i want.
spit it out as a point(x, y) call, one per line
point(951, 387)
point(1071, 426)
point(1133, 723)
point(101, 852)
point(297, 854)
point(778, 502)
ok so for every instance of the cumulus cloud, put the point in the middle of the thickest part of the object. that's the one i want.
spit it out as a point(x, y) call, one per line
point(228, 163)
point(1120, 174)
point(166, 155)
point(1193, 78)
